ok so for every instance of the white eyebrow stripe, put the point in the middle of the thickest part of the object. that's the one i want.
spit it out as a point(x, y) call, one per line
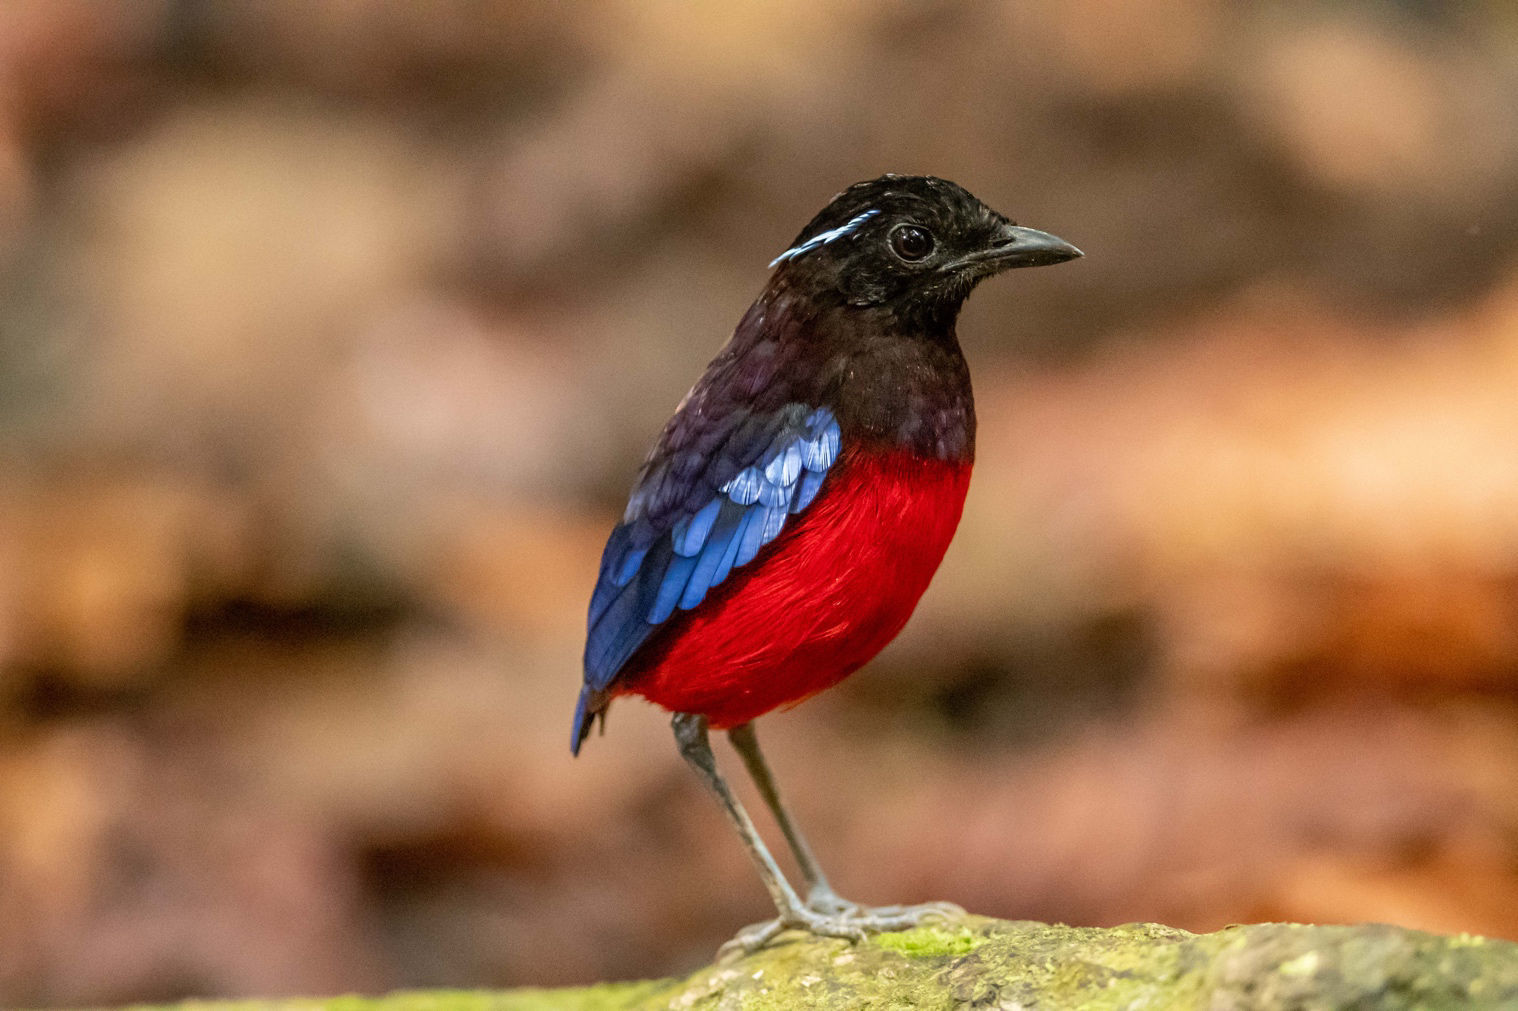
point(823, 238)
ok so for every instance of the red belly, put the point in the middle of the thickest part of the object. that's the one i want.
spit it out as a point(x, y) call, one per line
point(819, 602)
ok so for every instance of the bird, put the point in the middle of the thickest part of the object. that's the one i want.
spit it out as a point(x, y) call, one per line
point(796, 505)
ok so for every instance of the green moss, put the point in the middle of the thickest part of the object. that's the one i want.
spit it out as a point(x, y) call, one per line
point(993, 963)
point(930, 940)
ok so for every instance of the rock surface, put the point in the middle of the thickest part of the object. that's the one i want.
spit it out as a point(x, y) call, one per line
point(1019, 966)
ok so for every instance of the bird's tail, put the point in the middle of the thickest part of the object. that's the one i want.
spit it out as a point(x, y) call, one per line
point(591, 705)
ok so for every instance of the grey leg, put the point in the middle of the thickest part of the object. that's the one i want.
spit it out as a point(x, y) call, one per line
point(696, 749)
point(820, 896)
point(851, 922)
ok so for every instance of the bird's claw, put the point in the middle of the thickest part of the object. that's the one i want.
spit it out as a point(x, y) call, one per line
point(839, 918)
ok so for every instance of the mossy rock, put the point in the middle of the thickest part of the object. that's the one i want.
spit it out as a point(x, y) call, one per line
point(994, 964)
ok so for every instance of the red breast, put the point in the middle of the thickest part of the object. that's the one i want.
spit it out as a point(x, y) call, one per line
point(819, 602)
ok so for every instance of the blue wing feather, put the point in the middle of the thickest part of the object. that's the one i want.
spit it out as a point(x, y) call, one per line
point(689, 524)
point(729, 555)
point(671, 588)
point(811, 483)
point(621, 622)
point(751, 537)
point(690, 534)
point(745, 488)
point(720, 544)
point(784, 466)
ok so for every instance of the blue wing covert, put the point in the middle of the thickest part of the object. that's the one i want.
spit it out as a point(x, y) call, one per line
point(705, 503)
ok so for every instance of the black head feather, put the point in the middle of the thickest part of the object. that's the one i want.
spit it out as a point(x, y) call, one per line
point(915, 245)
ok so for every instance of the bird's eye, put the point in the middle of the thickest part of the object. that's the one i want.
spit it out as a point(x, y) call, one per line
point(911, 242)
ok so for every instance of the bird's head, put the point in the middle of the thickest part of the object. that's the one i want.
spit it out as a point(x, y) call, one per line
point(912, 245)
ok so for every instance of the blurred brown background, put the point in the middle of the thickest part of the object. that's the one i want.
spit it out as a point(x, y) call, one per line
point(332, 332)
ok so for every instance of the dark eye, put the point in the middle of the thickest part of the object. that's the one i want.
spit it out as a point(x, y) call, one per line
point(911, 242)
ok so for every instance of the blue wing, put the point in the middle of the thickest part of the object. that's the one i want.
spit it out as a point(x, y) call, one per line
point(705, 504)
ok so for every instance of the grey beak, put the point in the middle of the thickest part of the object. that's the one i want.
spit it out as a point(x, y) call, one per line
point(1027, 247)
point(1014, 246)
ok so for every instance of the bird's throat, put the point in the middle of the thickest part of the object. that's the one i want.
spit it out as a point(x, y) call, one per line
point(907, 392)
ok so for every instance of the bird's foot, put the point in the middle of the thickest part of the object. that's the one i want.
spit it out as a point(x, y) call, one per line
point(839, 918)
point(918, 913)
point(824, 900)
point(829, 903)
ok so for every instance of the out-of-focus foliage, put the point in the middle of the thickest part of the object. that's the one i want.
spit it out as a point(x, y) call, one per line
point(331, 334)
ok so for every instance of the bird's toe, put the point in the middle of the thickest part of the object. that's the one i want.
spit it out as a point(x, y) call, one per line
point(838, 918)
point(915, 915)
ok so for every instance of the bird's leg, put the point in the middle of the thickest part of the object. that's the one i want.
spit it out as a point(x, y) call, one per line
point(691, 735)
point(820, 896)
point(851, 922)
point(696, 749)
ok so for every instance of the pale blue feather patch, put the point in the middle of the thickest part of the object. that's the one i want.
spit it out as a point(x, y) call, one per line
point(823, 238)
point(819, 452)
point(744, 489)
point(820, 446)
point(775, 495)
point(785, 468)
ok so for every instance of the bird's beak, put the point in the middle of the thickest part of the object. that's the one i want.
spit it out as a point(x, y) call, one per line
point(1016, 246)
